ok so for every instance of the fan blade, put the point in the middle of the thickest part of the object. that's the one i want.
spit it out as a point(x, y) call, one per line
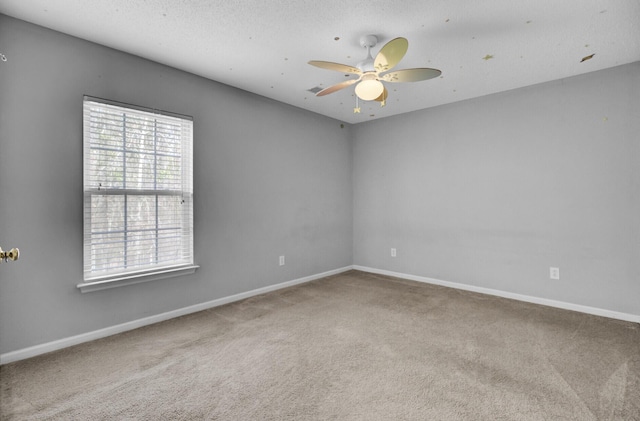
point(331, 89)
point(391, 54)
point(411, 75)
point(342, 68)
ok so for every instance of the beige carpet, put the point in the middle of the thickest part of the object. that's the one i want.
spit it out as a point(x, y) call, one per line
point(353, 346)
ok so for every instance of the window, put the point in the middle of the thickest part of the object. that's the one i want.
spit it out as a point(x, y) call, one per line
point(138, 194)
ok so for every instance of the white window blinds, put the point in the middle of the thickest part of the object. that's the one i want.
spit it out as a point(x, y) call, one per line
point(138, 191)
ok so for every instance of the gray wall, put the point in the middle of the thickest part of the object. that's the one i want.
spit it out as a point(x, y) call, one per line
point(493, 191)
point(269, 180)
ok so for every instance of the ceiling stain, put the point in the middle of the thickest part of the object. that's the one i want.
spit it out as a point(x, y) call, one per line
point(589, 57)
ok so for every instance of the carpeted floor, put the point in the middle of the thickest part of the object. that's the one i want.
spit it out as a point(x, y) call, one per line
point(354, 346)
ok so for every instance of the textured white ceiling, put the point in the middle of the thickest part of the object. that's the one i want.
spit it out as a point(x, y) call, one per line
point(264, 46)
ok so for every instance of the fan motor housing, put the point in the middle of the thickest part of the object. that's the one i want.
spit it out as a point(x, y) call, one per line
point(366, 65)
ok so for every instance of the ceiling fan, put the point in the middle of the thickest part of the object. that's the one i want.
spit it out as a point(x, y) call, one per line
point(372, 72)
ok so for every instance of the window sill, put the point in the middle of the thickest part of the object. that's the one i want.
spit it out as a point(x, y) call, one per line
point(98, 284)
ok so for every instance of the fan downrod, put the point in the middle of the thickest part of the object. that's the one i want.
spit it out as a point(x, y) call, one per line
point(368, 42)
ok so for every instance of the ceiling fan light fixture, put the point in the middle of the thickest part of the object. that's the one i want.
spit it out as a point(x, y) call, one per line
point(371, 72)
point(369, 90)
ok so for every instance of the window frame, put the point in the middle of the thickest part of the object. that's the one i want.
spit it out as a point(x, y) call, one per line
point(105, 278)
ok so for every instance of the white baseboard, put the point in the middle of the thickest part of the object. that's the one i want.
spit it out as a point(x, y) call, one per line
point(33, 351)
point(520, 297)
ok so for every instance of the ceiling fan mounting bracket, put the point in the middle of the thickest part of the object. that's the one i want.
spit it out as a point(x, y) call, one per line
point(368, 41)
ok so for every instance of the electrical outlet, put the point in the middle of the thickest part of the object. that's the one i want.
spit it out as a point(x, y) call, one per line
point(554, 273)
point(393, 252)
point(281, 260)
